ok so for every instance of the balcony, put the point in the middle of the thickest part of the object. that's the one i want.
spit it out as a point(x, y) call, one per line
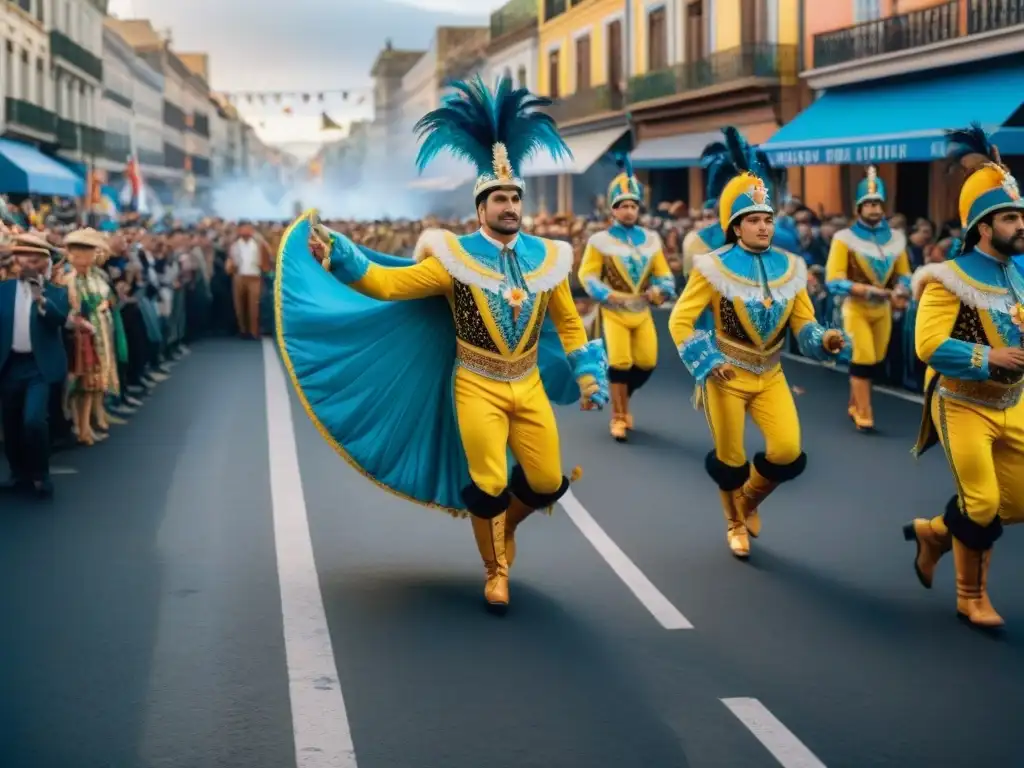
point(941, 35)
point(117, 98)
point(31, 119)
point(154, 157)
point(553, 8)
point(514, 16)
point(174, 116)
point(765, 61)
point(117, 147)
point(75, 137)
point(579, 106)
point(64, 48)
point(174, 157)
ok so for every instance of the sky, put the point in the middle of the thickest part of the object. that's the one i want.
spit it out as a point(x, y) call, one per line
point(299, 45)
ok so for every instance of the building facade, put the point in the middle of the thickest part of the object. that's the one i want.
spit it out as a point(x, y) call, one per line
point(197, 108)
point(882, 79)
point(28, 93)
point(387, 72)
point(512, 48)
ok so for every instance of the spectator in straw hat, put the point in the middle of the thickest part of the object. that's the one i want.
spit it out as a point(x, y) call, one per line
point(33, 315)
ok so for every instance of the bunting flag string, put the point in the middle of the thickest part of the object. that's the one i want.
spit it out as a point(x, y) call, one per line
point(348, 96)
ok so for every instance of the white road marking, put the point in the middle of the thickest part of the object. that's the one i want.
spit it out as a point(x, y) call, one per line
point(910, 397)
point(769, 730)
point(63, 471)
point(323, 736)
point(649, 596)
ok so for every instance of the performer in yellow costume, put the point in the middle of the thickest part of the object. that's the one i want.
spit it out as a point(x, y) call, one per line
point(969, 320)
point(429, 397)
point(730, 326)
point(868, 270)
point(624, 268)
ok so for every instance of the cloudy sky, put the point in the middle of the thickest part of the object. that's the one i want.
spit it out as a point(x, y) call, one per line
point(299, 45)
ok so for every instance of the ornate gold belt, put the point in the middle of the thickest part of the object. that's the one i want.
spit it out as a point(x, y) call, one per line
point(492, 367)
point(984, 393)
point(749, 358)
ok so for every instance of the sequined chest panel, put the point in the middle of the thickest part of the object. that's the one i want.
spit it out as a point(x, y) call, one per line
point(618, 269)
point(970, 327)
point(871, 271)
point(485, 319)
point(769, 323)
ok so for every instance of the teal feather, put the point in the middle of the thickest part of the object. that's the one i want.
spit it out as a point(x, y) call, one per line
point(472, 120)
point(625, 163)
point(724, 160)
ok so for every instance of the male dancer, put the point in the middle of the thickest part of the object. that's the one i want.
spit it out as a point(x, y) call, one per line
point(624, 268)
point(730, 328)
point(869, 270)
point(427, 407)
point(968, 332)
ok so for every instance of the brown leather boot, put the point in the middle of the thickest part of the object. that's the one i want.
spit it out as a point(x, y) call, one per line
point(933, 541)
point(863, 415)
point(972, 601)
point(620, 400)
point(751, 496)
point(490, 540)
point(517, 512)
point(735, 530)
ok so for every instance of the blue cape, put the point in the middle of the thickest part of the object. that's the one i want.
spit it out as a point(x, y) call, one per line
point(376, 377)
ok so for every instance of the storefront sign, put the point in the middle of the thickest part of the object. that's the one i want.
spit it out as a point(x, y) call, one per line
point(910, 151)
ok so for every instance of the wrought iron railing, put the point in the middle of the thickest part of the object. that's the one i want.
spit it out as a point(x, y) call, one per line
point(174, 157)
point(583, 104)
point(117, 147)
point(174, 116)
point(63, 47)
point(915, 29)
point(117, 98)
point(31, 116)
point(766, 60)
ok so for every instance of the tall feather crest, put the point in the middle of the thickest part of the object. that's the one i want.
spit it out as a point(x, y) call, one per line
point(725, 159)
point(971, 148)
point(622, 160)
point(470, 122)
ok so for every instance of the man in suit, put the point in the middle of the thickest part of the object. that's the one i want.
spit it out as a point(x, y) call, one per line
point(33, 315)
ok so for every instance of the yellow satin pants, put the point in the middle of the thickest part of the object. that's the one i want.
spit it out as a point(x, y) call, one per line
point(768, 400)
point(985, 449)
point(870, 328)
point(494, 416)
point(630, 339)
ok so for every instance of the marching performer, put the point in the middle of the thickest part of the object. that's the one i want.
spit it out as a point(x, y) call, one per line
point(427, 398)
point(969, 320)
point(730, 327)
point(717, 161)
point(869, 271)
point(624, 268)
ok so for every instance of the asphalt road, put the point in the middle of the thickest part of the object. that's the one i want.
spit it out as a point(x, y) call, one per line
point(157, 612)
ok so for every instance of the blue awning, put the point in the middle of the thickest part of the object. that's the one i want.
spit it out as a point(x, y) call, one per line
point(901, 121)
point(680, 151)
point(24, 170)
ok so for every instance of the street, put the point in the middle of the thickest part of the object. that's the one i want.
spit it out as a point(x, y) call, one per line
point(165, 609)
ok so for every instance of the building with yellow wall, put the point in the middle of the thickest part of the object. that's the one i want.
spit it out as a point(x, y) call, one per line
point(582, 48)
point(699, 65)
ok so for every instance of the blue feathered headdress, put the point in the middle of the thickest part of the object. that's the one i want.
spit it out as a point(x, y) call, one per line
point(625, 185)
point(724, 160)
point(496, 130)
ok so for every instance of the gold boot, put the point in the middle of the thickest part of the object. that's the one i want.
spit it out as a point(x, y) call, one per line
point(933, 541)
point(517, 512)
point(627, 415)
point(751, 496)
point(735, 530)
point(863, 415)
point(972, 601)
point(490, 540)
point(619, 405)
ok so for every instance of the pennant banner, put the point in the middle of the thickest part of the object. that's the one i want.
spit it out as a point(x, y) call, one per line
point(350, 96)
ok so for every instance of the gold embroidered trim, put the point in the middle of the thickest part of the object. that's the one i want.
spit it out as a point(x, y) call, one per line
point(496, 368)
point(984, 393)
point(977, 356)
point(750, 359)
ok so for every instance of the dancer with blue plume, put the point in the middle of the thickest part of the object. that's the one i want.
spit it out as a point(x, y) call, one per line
point(434, 377)
point(868, 270)
point(625, 270)
point(723, 161)
point(730, 327)
point(969, 331)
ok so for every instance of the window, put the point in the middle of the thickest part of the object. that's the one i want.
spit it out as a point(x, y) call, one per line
point(583, 63)
point(753, 21)
point(26, 86)
point(866, 10)
point(521, 78)
point(554, 73)
point(657, 40)
point(695, 32)
point(615, 73)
